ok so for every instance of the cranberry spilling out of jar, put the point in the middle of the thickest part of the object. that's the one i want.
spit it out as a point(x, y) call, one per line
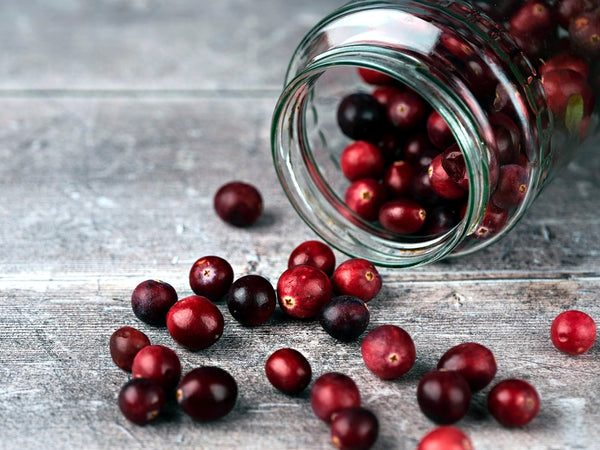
point(357, 277)
point(313, 253)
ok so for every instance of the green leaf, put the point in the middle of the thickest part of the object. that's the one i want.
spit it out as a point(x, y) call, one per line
point(574, 113)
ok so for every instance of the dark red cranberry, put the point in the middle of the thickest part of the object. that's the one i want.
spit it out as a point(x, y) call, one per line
point(141, 400)
point(391, 147)
point(288, 370)
point(445, 437)
point(566, 87)
point(125, 343)
point(573, 332)
point(566, 60)
point(384, 94)
point(239, 204)
point(402, 216)
point(302, 291)
point(441, 182)
point(512, 186)
point(438, 131)
point(374, 77)
point(493, 221)
point(207, 393)
point(507, 138)
point(475, 362)
point(443, 396)
point(422, 191)
point(158, 363)
point(388, 351)
point(332, 392)
point(211, 276)
point(151, 300)
point(398, 179)
point(480, 77)
point(345, 317)
point(532, 17)
point(361, 117)
point(453, 163)
point(251, 300)
point(440, 219)
point(513, 402)
point(313, 253)
point(567, 10)
point(365, 197)
point(584, 33)
point(354, 428)
point(357, 277)
point(361, 159)
point(195, 322)
point(407, 110)
point(418, 151)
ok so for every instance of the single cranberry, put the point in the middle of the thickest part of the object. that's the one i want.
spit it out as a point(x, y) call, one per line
point(357, 277)
point(443, 396)
point(207, 393)
point(419, 151)
point(532, 17)
point(407, 110)
point(365, 197)
point(480, 77)
point(513, 185)
point(402, 216)
point(565, 87)
point(374, 77)
point(141, 400)
point(313, 253)
point(567, 10)
point(195, 322)
point(438, 131)
point(453, 163)
point(361, 159)
point(354, 428)
point(441, 182)
point(513, 402)
point(125, 343)
point(302, 291)
point(288, 370)
point(211, 276)
point(332, 392)
point(388, 351)
point(421, 189)
point(251, 300)
point(440, 220)
point(507, 138)
point(391, 147)
point(475, 362)
point(456, 45)
point(492, 222)
point(151, 300)
point(566, 60)
point(345, 317)
point(361, 117)
point(584, 33)
point(398, 179)
point(239, 204)
point(158, 363)
point(445, 437)
point(384, 94)
point(573, 332)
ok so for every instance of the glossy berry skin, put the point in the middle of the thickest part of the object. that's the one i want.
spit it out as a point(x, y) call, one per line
point(302, 291)
point(354, 429)
point(332, 392)
point(438, 131)
point(239, 204)
point(573, 332)
point(141, 400)
point(357, 277)
point(288, 371)
point(195, 322)
point(361, 117)
point(563, 84)
point(441, 183)
point(151, 300)
point(313, 253)
point(507, 138)
point(158, 363)
point(207, 393)
point(211, 276)
point(493, 221)
point(475, 362)
point(251, 300)
point(407, 110)
point(445, 437)
point(388, 351)
point(402, 216)
point(566, 60)
point(361, 159)
point(398, 179)
point(125, 343)
point(443, 396)
point(365, 197)
point(345, 317)
point(513, 185)
point(513, 402)
point(421, 189)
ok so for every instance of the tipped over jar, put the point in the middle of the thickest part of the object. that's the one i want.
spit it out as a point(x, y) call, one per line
point(409, 131)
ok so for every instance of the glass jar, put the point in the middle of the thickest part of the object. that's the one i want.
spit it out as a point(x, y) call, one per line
point(409, 131)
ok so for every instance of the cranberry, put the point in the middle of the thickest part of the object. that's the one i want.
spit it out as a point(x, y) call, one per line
point(391, 147)
point(507, 138)
point(407, 110)
point(566, 60)
point(361, 117)
point(388, 351)
point(456, 45)
point(384, 94)
point(239, 204)
point(573, 332)
point(357, 277)
point(211, 276)
point(441, 182)
point(375, 77)
point(345, 317)
point(402, 216)
point(195, 322)
point(354, 428)
point(419, 151)
point(445, 437)
point(332, 392)
point(512, 186)
point(302, 291)
point(480, 77)
point(513, 402)
point(440, 219)
point(443, 396)
point(151, 300)
point(453, 163)
point(158, 363)
point(365, 197)
point(141, 400)
point(125, 343)
point(567, 10)
point(533, 17)
point(313, 253)
point(493, 221)
point(251, 300)
point(475, 362)
point(288, 370)
point(207, 393)
point(438, 131)
point(421, 189)
point(361, 159)
point(584, 32)
point(398, 179)
point(563, 87)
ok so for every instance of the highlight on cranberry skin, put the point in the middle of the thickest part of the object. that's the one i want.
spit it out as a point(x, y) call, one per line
point(313, 253)
point(211, 276)
point(357, 277)
point(473, 361)
point(513, 402)
point(573, 332)
point(158, 363)
point(239, 204)
point(288, 370)
point(388, 351)
point(302, 291)
point(195, 322)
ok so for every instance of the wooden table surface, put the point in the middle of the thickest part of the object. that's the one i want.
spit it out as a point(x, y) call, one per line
point(118, 121)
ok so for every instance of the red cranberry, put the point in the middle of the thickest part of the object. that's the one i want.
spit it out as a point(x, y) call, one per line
point(141, 400)
point(438, 131)
point(418, 151)
point(453, 163)
point(365, 197)
point(207, 393)
point(398, 179)
point(239, 204)
point(211, 276)
point(384, 94)
point(480, 77)
point(361, 159)
point(354, 428)
point(345, 317)
point(475, 362)
point(456, 45)
point(195, 322)
point(512, 186)
point(151, 300)
point(375, 77)
point(388, 351)
point(402, 216)
point(513, 402)
point(302, 291)
point(573, 332)
point(332, 392)
point(125, 343)
point(288, 370)
point(440, 219)
point(566, 60)
point(357, 277)
point(584, 32)
point(251, 300)
point(445, 437)
point(441, 182)
point(507, 138)
point(407, 110)
point(361, 117)
point(533, 17)
point(564, 84)
point(158, 363)
point(313, 253)
point(567, 10)
point(422, 191)
point(443, 396)
point(493, 221)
